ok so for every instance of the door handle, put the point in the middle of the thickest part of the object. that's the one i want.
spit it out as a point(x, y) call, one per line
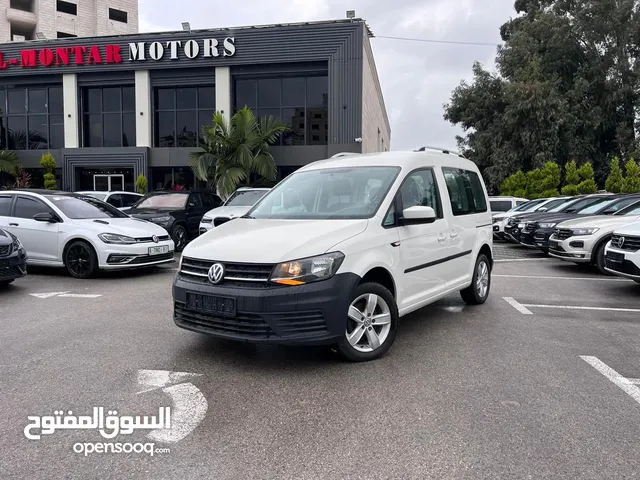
point(454, 234)
point(13, 225)
point(442, 237)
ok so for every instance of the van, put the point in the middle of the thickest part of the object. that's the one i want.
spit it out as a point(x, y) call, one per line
point(339, 250)
point(504, 204)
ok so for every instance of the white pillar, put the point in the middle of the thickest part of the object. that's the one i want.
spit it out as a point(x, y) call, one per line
point(143, 108)
point(71, 110)
point(223, 91)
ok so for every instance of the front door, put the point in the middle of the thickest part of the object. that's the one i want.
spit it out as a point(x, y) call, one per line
point(108, 183)
point(40, 239)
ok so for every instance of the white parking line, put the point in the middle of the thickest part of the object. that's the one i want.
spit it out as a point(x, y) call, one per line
point(79, 295)
point(625, 384)
point(577, 307)
point(517, 306)
point(505, 260)
point(601, 279)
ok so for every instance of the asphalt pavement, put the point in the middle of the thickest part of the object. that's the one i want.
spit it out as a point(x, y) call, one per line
point(521, 387)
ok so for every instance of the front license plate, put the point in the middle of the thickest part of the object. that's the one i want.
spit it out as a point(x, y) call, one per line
point(158, 250)
point(615, 256)
point(225, 306)
point(553, 244)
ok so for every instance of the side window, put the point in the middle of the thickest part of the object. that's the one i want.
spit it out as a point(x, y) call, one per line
point(217, 201)
point(115, 200)
point(194, 201)
point(390, 219)
point(28, 207)
point(420, 189)
point(465, 191)
point(207, 201)
point(5, 205)
point(128, 200)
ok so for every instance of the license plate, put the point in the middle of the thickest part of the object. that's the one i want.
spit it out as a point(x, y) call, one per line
point(225, 306)
point(553, 244)
point(615, 256)
point(158, 250)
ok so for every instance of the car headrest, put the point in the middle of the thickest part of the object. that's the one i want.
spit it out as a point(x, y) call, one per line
point(341, 187)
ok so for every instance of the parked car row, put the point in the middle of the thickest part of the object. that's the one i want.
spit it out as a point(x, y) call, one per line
point(602, 230)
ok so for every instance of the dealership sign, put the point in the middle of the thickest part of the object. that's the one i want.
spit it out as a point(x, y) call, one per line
point(114, 54)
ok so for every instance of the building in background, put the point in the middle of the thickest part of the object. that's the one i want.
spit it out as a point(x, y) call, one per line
point(111, 108)
point(22, 20)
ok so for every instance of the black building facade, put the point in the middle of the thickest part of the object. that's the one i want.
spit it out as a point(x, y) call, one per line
point(111, 108)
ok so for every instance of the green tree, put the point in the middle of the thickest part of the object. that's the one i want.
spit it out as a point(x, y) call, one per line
point(551, 177)
point(631, 182)
point(534, 189)
point(514, 185)
point(587, 184)
point(9, 161)
point(615, 179)
point(142, 184)
point(232, 151)
point(571, 178)
point(49, 164)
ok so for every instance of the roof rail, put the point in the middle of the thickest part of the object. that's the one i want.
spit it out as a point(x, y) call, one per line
point(440, 149)
point(344, 154)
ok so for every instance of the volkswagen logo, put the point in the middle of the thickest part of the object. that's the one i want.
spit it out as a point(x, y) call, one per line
point(216, 273)
point(620, 242)
point(155, 239)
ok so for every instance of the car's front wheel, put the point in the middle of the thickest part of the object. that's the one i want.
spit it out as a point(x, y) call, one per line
point(478, 291)
point(600, 263)
point(5, 283)
point(372, 324)
point(179, 237)
point(80, 260)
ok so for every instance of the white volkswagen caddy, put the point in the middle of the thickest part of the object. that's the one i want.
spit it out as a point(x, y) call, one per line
point(339, 250)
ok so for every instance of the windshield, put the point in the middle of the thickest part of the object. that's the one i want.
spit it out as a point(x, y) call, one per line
point(596, 207)
point(169, 200)
point(99, 196)
point(86, 207)
point(500, 205)
point(553, 205)
point(572, 205)
point(527, 205)
point(630, 209)
point(244, 198)
point(336, 193)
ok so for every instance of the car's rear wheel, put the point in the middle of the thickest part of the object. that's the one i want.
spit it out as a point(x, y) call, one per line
point(600, 259)
point(478, 291)
point(80, 260)
point(372, 324)
point(179, 237)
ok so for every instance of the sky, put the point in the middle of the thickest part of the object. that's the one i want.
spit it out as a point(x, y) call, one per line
point(417, 78)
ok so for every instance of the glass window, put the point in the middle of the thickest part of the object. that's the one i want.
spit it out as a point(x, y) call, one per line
point(619, 205)
point(317, 91)
point(109, 117)
point(246, 94)
point(56, 100)
point(128, 199)
point(115, 200)
point(269, 94)
point(56, 131)
point(559, 206)
point(187, 129)
point(460, 203)
point(420, 189)
point(84, 207)
point(5, 205)
point(128, 129)
point(38, 138)
point(205, 117)
point(165, 129)
point(92, 130)
point(3, 100)
point(296, 134)
point(17, 133)
point(500, 205)
point(195, 201)
point(336, 193)
point(632, 209)
point(165, 200)
point(207, 97)
point(244, 198)
point(390, 219)
point(112, 130)
point(293, 92)
point(187, 98)
point(38, 101)
point(165, 98)
point(28, 207)
point(111, 101)
point(16, 100)
point(179, 123)
point(93, 100)
point(477, 191)
point(128, 99)
point(596, 206)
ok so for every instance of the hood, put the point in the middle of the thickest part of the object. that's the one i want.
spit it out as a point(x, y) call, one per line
point(600, 221)
point(272, 241)
point(230, 212)
point(130, 227)
point(631, 229)
point(149, 212)
point(5, 238)
point(552, 218)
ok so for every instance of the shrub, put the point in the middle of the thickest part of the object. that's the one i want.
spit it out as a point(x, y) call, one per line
point(631, 182)
point(49, 164)
point(142, 184)
point(571, 178)
point(615, 179)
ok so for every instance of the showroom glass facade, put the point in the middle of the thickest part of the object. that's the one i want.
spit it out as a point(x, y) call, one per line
point(301, 102)
point(108, 116)
point(31, 118)
point(180, 113)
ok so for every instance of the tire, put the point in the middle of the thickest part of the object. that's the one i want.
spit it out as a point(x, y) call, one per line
point(180, 237)
point(80, 260)
point(5, 283)
point(477, 294)
point(362, 350)
point(599, 254)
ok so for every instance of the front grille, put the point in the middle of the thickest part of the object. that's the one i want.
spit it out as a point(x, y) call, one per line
point(623, 267)
point(247, 325)
point(512, 222)
point(630, 243)
point(152, 258)
point(5, 250)
point(234, 272)
point(529, 227)
point(12, 272)
point(162, 238)
point(220, 220)
point(563, 233)
point(301, 323)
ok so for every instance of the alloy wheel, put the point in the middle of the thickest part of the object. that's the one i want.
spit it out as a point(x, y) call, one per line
point(482, 279)
point(79, 260)
point(181, 238)
point(369, 322)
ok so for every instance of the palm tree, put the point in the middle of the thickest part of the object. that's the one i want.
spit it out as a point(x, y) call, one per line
point(232, 151)
point(8, 161)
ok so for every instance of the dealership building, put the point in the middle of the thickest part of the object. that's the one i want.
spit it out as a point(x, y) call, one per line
point(112, 107)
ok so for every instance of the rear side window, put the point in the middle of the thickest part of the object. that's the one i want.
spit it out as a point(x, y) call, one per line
point(420, 189)
point(5, 205)
point(465, 191)
point(115, 200)
point(29, 207)
point(500, 205)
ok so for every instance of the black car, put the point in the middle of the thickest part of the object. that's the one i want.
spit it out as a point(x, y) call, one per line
point(13, 258)
point(179, 212)
point(511, 231)
point(536, 232)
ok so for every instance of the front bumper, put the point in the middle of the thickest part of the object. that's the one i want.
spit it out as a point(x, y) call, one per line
point(622, 262)
point(498, 230)
point(575, 249)
point(118, 257)
point(13, 266)
point(204, 228)
point(539, 238)
point(313, 314)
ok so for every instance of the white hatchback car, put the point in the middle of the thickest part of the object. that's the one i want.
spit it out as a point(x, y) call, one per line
point(339, 250)
point(81, 233)
point(239, 203)
point(622, 253)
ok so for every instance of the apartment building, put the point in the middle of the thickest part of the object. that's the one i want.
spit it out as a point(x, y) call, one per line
point(22, 20)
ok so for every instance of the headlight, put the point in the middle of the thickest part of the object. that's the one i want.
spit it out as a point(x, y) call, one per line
point(547, 225)
point(307, 270)
point(164, 219)
point(16, 244)
point(115, 238)
point(585, 231)
point(206, 220)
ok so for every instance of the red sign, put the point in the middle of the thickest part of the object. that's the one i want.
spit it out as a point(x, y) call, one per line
point(64, 56)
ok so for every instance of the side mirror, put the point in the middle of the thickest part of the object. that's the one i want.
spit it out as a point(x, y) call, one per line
point(45, 217)
point(418, 215)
